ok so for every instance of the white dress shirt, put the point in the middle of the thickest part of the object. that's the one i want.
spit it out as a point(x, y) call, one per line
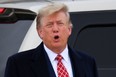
point(66, 60)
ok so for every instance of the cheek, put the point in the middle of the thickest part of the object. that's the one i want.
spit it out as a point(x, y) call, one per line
point(67, 32)
point(45, 34)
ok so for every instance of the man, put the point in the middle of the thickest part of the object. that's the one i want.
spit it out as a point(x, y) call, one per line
point(53, 57)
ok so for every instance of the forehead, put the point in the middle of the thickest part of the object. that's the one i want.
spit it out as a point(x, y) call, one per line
point(55, 16)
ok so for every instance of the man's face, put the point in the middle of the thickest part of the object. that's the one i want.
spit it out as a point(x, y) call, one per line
point(55, 30)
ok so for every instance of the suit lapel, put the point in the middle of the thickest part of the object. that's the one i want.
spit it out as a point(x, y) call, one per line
point(40, 63)
point(77, 64)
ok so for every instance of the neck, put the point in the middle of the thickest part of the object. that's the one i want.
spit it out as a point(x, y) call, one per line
point(57, 50)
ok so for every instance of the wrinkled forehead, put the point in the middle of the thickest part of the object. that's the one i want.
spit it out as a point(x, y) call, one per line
point(55, 17)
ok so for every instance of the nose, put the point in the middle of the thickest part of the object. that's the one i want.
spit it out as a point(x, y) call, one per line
point(55, 28)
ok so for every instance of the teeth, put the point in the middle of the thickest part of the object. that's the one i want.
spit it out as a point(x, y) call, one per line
point(56, 37)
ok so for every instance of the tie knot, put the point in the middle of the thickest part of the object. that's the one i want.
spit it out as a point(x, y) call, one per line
point(59, 57)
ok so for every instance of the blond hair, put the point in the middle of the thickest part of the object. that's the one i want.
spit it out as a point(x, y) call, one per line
point(51, 9)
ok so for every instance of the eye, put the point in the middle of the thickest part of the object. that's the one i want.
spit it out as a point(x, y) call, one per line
point(60, 23)
point(49, 25)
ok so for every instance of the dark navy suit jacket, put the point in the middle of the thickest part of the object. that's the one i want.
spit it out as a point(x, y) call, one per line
point(35, 63)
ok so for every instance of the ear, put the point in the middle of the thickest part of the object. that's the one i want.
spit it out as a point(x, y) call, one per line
point(70, 29)
point(40, 32)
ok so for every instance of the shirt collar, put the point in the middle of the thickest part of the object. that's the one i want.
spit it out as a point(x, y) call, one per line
point(65, 54)
point(52, 55)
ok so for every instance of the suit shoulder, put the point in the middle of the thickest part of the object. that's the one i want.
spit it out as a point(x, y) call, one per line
point(85, 56)
point(22, 55)
point(81, 54)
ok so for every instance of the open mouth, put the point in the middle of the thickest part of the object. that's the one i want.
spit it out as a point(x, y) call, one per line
point(56, 37)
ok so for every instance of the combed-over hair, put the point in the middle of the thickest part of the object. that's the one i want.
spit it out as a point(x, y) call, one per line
point(51, 9)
